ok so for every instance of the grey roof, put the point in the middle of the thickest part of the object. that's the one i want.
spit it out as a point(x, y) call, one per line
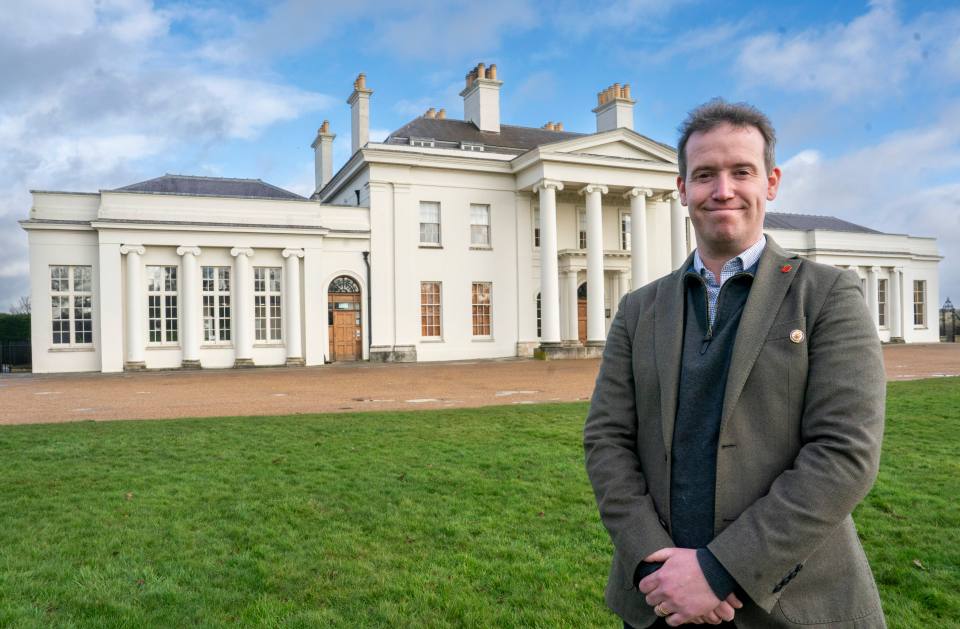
point(452, 132)
point(210, 186)
point(806, 222)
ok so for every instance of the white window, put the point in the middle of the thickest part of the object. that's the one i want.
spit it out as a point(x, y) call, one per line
point(919, 303)
point(480, 225)
point(581, 229)
point(471, 146)
point(430, 309)
point(71, 296)
point(536, 227)
point(625, 231)
point(424, 142)
point(267, 297)
point(481, 308)
point(162, 305)
point(216, 304)
point(882, 302)
point(430, 223)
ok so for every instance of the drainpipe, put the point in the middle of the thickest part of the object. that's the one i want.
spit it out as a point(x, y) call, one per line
point(366, 260)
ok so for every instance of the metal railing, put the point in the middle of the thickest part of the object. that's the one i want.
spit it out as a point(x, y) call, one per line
point(15, 356)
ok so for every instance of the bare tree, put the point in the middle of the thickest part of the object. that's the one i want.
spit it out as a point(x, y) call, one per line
point(22, 306)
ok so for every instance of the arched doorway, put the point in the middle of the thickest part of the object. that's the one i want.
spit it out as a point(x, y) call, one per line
point(582, 313)
point(343, 320)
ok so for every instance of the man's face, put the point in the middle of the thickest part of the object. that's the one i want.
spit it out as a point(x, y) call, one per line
point(727, 188)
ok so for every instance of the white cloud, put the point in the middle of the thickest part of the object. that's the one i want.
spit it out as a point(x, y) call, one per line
point(94, 88)
point(872, 55)
point(898, 185)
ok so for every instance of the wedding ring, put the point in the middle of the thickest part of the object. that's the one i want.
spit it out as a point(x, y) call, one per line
point(660, 611)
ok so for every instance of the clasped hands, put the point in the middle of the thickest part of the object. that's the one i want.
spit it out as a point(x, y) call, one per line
point(682, 591)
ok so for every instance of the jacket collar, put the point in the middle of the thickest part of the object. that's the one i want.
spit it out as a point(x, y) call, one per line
point(770, 286)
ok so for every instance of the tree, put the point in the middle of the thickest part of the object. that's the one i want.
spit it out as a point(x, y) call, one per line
point(22, 307)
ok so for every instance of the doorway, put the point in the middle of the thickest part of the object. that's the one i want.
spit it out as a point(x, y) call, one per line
point(344, 328)
point(582, 313)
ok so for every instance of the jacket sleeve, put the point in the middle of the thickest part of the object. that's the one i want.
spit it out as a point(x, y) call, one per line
point(610, 446)
point(841, 432)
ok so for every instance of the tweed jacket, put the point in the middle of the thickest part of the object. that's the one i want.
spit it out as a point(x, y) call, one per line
point(799, 444)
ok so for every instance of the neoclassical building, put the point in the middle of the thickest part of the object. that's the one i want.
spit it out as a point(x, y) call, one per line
point(451, 239)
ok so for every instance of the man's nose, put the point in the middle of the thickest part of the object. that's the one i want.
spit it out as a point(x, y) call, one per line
point(723, 188)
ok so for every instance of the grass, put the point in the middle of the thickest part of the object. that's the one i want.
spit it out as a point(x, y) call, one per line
point(453, 518)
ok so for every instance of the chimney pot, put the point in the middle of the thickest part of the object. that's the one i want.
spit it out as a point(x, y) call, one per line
point(442, 114)
point(626, 91)
point(362, 80)
point(481, 74)
point(492, 72)
point(558, 126)
point(614, 108)
point(431, 113)
point(481, 98)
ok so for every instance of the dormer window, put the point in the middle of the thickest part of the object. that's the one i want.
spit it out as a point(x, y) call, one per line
point(423, 142)
point(471, 146)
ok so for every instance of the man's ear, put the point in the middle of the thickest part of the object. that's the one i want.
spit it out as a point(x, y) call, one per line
point(682, 187)
point(773, 184)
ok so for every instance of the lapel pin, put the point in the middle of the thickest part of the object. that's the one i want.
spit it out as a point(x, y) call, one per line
point(786, 268)
point(796, 336)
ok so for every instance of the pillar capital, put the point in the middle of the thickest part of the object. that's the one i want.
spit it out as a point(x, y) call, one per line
point(545, 184)
point(633, 193)
point(182, 251)
point(138, 249)
point(593, 187)
point(670, 195)
point(292, 252)
point(874, 269)
point(242, 251)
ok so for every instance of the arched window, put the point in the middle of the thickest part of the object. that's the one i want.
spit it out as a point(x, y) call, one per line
point(582, 291)
point(344, 284)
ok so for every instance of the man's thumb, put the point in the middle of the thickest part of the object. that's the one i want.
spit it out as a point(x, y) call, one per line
point(661, 555)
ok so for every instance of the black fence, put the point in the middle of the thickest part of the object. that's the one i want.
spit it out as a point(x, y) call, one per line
point(15, 356)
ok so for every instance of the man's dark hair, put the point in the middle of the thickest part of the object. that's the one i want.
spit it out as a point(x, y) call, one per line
point(716, 112)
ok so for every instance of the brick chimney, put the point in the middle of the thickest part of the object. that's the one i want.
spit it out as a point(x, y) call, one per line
point(481, 98)
point(359, 113)
point(323, 155)
point(614, 108)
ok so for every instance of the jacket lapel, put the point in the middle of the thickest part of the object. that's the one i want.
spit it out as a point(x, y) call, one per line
point(668, 346)
point(769, 288)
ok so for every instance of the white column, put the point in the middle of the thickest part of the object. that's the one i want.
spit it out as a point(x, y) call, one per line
point(291, 279)
point(192, 319)
point(549, 280)
point(570, 299)
point(638, 235)
point(596, 326)
point(624, 285)
point(678, 229)
point(896, 302)
point(134, 306)
point(872, 299)
point(242, 307)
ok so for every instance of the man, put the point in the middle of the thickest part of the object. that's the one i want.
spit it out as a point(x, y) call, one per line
point(738, 414)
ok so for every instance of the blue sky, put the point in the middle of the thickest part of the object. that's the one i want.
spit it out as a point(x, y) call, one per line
point(102, 93)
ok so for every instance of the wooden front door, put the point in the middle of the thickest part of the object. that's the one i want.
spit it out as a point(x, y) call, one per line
point(344, 329)
point(582, 320)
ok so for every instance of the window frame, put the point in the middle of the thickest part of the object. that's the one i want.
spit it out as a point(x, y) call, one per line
point(480, 311)
point(882, 298)
point(626, 234)
point(535, 211)
point(431, 314)
point(581, 227)
point(217, 296)
point(270, 310)
point(920, 288)
point(167, 298)
point(489, 231)
point(439, 240)
point(72, 294)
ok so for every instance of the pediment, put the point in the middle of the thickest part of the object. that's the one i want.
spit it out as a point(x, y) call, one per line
point(622, 143)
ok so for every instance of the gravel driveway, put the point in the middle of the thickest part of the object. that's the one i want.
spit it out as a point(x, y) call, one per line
point(28, 398)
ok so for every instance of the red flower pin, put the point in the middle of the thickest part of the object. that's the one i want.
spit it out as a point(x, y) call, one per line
point(785, 268)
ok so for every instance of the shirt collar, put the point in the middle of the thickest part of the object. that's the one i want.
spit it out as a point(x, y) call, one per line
point(747, 257)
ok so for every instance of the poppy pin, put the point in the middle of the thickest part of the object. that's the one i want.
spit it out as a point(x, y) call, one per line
point(785, 268)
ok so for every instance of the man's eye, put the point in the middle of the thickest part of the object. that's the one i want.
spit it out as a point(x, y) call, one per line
point(702, 176)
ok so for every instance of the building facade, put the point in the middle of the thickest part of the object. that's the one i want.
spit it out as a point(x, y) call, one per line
point(451, 239)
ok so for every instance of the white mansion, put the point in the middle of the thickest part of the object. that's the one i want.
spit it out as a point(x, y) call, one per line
point(451, 239)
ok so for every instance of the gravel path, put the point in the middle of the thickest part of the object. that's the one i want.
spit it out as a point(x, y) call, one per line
point(28, 398)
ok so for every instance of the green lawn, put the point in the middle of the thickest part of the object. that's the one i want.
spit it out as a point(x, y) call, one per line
point(455, 518)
